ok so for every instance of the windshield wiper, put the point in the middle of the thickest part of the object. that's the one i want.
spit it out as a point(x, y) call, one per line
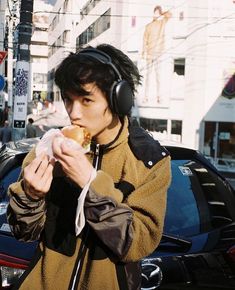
point(176, 240)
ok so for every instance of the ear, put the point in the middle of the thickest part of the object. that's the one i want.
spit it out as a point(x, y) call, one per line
point(121, 98)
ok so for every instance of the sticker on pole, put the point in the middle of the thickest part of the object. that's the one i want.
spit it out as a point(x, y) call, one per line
point(2, 82)
point(21, 95)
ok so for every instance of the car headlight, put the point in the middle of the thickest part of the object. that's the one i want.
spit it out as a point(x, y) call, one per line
point(10, 275)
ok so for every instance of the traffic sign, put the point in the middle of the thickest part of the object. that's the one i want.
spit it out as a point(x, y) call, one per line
point(2, 82)
point(3, 55)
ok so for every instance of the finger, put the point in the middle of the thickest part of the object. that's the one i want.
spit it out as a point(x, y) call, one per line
point(40, 186)
point(55, 145)
point(70, 147)
point(33, 166)
point(34, 172)
point(48, 173)
point(45, 170)
point(42, 167)
point(66, 148)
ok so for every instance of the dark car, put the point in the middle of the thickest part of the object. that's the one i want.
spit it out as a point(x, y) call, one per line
point(197, 250)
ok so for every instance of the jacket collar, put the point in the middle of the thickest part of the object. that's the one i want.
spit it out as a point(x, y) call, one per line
point(121, 137)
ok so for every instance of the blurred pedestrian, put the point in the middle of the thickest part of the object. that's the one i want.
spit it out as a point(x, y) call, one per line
point(39, 107)
point(31, 130)
point(5, 133)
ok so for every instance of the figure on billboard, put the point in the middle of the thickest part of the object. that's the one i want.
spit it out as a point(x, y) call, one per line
point(153, 48)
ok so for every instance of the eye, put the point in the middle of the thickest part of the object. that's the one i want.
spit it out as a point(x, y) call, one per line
point(86, 100)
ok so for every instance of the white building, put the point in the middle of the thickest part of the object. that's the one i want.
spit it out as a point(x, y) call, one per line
point(61, 41)
point(196, 105)
point(39, 50)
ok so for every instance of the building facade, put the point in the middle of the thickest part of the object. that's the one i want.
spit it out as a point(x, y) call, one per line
point(39, 51)
point(61, 41)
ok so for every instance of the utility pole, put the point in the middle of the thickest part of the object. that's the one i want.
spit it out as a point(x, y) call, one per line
point(22, 72)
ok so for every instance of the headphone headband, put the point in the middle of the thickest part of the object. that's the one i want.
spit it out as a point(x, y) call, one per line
point(101, 57)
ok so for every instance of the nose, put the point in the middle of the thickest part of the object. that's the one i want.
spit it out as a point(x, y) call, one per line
point(75, 110)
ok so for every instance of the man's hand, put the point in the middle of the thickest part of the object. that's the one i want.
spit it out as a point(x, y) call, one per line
point(74, 162)
point(38, 177)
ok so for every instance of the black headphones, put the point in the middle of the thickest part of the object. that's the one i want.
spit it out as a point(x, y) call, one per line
point(121, 95)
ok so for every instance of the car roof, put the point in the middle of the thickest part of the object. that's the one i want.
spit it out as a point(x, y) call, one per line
point(18, 149)
point(13, 153)
point(24, 145)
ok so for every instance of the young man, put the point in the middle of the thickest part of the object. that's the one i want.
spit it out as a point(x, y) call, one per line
point(127, 174)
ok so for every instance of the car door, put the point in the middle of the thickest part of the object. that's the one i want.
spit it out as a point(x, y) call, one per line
point(199, 228)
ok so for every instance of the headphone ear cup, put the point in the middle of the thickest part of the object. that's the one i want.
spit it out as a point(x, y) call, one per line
point(121, 98)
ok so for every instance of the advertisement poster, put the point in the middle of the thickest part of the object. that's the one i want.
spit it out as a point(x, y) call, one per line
point(155, 63)
point(21, 94)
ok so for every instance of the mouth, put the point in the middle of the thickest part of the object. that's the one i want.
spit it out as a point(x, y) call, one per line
point(75, 124)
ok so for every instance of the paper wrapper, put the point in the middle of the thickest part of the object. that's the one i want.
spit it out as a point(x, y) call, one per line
point(45, 144)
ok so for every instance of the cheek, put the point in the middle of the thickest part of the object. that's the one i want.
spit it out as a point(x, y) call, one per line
point(100, 120)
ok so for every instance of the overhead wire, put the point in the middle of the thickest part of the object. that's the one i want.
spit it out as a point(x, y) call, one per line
point(116, 15)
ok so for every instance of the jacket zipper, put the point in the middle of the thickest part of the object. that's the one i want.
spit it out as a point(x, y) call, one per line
point(96, 157)
point(95, 164)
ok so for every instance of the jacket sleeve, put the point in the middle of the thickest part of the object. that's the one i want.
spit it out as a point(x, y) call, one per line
point(131, 229)
point(26, 216)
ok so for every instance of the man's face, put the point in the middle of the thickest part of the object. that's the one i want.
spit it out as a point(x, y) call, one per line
point(156, 13)
point(91, 111)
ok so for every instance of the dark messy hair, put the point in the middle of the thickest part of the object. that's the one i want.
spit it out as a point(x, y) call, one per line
point(76, 70)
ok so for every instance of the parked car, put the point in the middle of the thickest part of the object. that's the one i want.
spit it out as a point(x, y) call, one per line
point(197, 250)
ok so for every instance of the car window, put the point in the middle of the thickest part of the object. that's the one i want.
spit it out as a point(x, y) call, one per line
point(9, 178)
point(182, 216)
point(198, 199)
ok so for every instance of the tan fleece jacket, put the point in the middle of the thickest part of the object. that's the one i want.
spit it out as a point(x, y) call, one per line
point(122, 227)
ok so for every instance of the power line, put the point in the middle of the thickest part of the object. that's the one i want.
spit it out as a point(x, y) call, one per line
point(119, 15)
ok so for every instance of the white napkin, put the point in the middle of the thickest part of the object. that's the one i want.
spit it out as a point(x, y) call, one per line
point(45, 144)
point(80, 217)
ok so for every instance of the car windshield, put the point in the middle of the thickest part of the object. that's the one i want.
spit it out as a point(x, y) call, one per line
point(182, 216)
point(198, 199)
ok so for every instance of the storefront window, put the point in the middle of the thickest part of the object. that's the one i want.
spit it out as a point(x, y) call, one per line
point(154, 125)
point(176, 127)
point(219, 144)
point(210, 139)
point(226, 137)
